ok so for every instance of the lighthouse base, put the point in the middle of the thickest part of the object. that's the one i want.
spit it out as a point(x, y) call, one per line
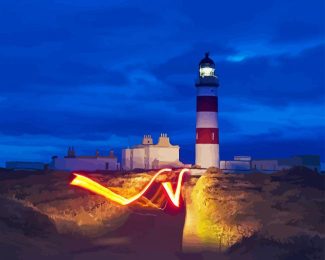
point(197, 172)
point(207, 155)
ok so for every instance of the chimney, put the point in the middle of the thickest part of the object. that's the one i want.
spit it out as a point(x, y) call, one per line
point(147, 139)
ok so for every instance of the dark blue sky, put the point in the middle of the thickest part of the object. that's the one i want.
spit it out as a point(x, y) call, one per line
point(100, 74)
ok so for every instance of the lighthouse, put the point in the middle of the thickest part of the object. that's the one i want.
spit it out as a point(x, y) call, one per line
point(207, 131)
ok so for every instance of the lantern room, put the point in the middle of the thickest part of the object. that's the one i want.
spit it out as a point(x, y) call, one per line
point(207, 76)
point(207, 67)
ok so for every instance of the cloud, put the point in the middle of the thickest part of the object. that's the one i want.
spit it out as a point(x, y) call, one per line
point(253, 100)
point(278, 80)
point(87, 73)
point(53, 74)
point(187, 63)
point(295, 31)
point(115, 18)
point(260, 148)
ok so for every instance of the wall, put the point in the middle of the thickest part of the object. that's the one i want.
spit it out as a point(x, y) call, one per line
point(149, 157)
point(163, 154)
point(235, 165)
point(265, 165)
point(126, 159)
point(85, 164)
point(137, 158)
point(25, 165)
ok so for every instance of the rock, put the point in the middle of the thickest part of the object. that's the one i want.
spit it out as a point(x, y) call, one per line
point(213, 170)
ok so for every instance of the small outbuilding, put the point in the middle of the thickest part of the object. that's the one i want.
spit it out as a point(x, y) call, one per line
point(97, 162)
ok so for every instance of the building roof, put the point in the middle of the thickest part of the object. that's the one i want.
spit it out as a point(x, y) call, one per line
point(162, 142)
point(92, 157)
point(206, 60)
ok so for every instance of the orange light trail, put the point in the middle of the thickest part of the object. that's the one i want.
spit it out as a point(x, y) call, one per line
point(89, 184)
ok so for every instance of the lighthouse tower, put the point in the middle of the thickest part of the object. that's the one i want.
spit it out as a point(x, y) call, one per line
point(207, 131)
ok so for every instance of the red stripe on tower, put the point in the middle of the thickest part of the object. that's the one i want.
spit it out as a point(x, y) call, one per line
point(207, 103)
point(207, 135)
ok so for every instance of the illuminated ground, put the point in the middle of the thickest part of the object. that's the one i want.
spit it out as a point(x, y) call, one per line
point(43, 215)
point(232, 216)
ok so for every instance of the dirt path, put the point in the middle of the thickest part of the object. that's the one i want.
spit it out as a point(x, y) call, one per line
point(143, 234)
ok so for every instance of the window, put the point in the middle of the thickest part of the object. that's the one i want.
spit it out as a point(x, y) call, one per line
point(206, 71)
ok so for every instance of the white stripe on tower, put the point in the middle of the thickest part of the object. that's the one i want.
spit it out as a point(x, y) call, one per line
point(206, 120)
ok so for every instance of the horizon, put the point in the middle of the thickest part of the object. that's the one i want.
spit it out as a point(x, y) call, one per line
point(99, 76)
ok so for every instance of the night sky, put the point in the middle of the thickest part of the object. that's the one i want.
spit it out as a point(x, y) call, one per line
point(100, 74)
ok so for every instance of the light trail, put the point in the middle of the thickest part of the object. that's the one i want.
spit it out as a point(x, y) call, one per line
point(91, 185)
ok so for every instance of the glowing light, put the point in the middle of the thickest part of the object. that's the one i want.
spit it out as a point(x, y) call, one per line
point(174, 197)
point(89, 184)
point(206, 71)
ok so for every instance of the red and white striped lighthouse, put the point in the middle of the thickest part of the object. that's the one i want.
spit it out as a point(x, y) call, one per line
point(207, 131)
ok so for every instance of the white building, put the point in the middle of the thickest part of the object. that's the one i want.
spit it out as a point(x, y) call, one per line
point(98, 162)
point(270, 165)
point(245, 163)
point(240, 163)
point(151, 156)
